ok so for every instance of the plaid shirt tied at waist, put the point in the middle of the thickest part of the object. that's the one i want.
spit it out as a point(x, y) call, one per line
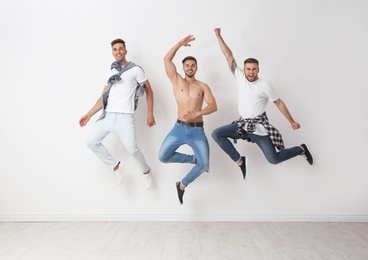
point(274, 134)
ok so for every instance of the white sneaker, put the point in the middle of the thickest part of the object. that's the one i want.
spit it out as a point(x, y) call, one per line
point(119, 173)
point(148, 180)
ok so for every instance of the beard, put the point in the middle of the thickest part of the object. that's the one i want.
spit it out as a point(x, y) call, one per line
point(190, 75)
point(251, 79)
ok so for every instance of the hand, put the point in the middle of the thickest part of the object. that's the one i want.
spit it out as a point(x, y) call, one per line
point(151, 121)
point(185, 41)
point(84, 120)
point(190, 115)
point(295, 125)
point(217, 31)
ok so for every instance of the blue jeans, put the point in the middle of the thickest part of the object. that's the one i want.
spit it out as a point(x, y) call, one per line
point(193, 137)
point(124, 126)
point(221, 135)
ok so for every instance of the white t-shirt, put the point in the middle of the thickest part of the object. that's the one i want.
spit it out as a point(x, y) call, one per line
point(121, 96)
point(253, 97)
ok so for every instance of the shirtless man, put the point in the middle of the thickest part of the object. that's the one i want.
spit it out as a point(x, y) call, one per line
point(188, 129)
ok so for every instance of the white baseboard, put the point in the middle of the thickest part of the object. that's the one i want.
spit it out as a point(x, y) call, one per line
point(146, 217)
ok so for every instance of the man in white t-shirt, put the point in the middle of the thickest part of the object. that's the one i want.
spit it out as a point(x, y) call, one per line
point(253, 96)
point(118, 103)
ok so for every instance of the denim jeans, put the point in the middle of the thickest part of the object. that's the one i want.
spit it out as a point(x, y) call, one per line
point(221, 135)
point(193, 137)
point(124, 126)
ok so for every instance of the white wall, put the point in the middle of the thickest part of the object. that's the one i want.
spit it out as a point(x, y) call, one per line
point(53, 58)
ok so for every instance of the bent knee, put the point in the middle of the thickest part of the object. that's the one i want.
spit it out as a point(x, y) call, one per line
point(273, 161)
point(162, 158)
point(216, 137)
point(214, 134)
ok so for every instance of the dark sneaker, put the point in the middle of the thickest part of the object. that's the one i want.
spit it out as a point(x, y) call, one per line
point(180, 192)
point(307, 154)
point(243, 167)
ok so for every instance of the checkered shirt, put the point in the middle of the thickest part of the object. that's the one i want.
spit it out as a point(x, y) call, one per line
point(274, 134)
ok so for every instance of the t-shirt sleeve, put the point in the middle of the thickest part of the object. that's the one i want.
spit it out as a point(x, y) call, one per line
point(239, 76)
point(238, 73)
point(271, 92)
point(140, 76)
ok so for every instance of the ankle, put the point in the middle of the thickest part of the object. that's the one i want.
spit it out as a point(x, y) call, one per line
point(240, 162)
point(116, 167)
point(180, 185)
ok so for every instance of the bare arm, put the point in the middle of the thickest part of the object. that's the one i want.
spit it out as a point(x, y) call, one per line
point(97, 107)
point(285, 111)
point(169, 65)
point(149, 100)
point(211, 102)
point(226, 51)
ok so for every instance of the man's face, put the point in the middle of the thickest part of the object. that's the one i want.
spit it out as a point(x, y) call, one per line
point(251, 71)
point(119, 51)
point(190, 68)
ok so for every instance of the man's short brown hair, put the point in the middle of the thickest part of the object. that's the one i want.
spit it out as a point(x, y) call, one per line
point(118, 40)
point(189, 58)
point(251, 60)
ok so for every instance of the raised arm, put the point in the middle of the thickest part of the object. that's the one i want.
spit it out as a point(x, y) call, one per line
point(226, 51)
point(169, 65)
point(285, 111)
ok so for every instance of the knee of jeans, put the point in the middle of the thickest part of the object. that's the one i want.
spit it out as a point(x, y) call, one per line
point(273, 160)
point(162, 158)
point(214, 134)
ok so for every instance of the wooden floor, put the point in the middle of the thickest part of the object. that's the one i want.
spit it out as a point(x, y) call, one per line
point(183, 240)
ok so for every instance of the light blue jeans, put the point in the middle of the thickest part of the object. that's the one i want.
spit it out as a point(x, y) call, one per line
point(123, 125)
point(221, 135)
point(193, 137)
